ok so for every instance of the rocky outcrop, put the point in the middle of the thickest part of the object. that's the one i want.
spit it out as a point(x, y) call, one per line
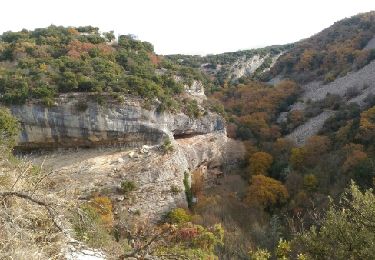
point(75, 121)
point(361, 82)
point(371, 44)
point(246, 67)
point(311, 127)
point(139, 156)
point(157, 176)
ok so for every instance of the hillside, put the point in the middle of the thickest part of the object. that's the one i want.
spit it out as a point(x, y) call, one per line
point(43, 63)
point(231, 67)
point(331, 53)
point(111, 151)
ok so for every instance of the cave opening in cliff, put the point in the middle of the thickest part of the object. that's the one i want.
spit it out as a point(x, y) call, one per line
point(183, 136)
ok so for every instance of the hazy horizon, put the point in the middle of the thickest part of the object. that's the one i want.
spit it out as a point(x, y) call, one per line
point(189, 27)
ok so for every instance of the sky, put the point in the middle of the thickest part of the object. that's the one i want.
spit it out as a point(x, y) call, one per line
point(188, 26)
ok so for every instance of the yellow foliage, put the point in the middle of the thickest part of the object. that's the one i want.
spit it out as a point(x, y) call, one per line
point(367, 125)
point(297, 157)
point(103, 207)
point(260, 162)
point(310, 182)
point(265, 191)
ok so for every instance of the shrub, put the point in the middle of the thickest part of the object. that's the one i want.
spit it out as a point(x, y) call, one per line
point(103, 206)
point(188, 191)
point(178, 216)
point(260, 162)
point(260, 254)
point(175, 189)
point(89, 227)
point(81, 106)
point(191, 108)
point(9, 128)
point(128, 186)
point(167, 146)
point(310, 182)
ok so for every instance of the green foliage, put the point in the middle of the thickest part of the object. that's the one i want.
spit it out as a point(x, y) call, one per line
point(167, 146)
point(185, 252)
point(211, 62)
point(260, 254)
point(89, 227)
point(178, 216)
point(310, 182)
point(128, 186)
point(9, 128)
point(208, 239)
point(283, 249)
point(191, 108)
point(194, 242)
point(346, 232)
point(53, 60)
point(188, 191)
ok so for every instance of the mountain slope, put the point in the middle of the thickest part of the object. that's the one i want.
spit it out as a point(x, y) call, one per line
point(330, 53)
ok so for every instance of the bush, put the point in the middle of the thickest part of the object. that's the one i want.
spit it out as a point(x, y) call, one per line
point(178, 216)
point(128, 186)
point(191, 108)
point(175, 189)
point(167, 146)
point(93, 222)
point(9, 128)
point(188, 191)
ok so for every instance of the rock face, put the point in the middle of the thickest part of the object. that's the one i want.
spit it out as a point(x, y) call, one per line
point(76, 121)
point(361, 82)
point(371, 44)
point(157, 173)
point(158, 176)
point(246, 67)
point(311, 127)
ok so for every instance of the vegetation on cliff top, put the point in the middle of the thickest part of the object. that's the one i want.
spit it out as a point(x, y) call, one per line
point(40, 64)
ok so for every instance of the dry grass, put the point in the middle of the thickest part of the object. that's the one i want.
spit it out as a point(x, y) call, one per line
point(28, 216)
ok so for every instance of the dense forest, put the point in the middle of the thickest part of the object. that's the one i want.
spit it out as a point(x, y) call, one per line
point(313, 201)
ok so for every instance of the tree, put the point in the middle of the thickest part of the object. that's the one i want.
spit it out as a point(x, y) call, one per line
point(354, 155)
point(367, 126)
point(264, 192)
point(297, 158)
point(9, 128)
point(109, 36)
point(346, 232)
point(260, 162)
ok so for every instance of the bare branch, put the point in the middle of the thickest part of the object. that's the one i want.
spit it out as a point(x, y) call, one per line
point(36, 201)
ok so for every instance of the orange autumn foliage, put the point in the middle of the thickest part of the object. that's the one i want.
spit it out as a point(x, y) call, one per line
point(265, 191)
point(77, 48)
point(354, 155)
point(367, 125)
point(260, 162)
point(103, 207)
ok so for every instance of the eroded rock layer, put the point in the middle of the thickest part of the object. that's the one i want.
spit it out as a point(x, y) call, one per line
point(75, 121)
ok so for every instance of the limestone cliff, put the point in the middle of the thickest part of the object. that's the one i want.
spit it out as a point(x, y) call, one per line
point(158, 176)
point(137, 154)
point(75, 121)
